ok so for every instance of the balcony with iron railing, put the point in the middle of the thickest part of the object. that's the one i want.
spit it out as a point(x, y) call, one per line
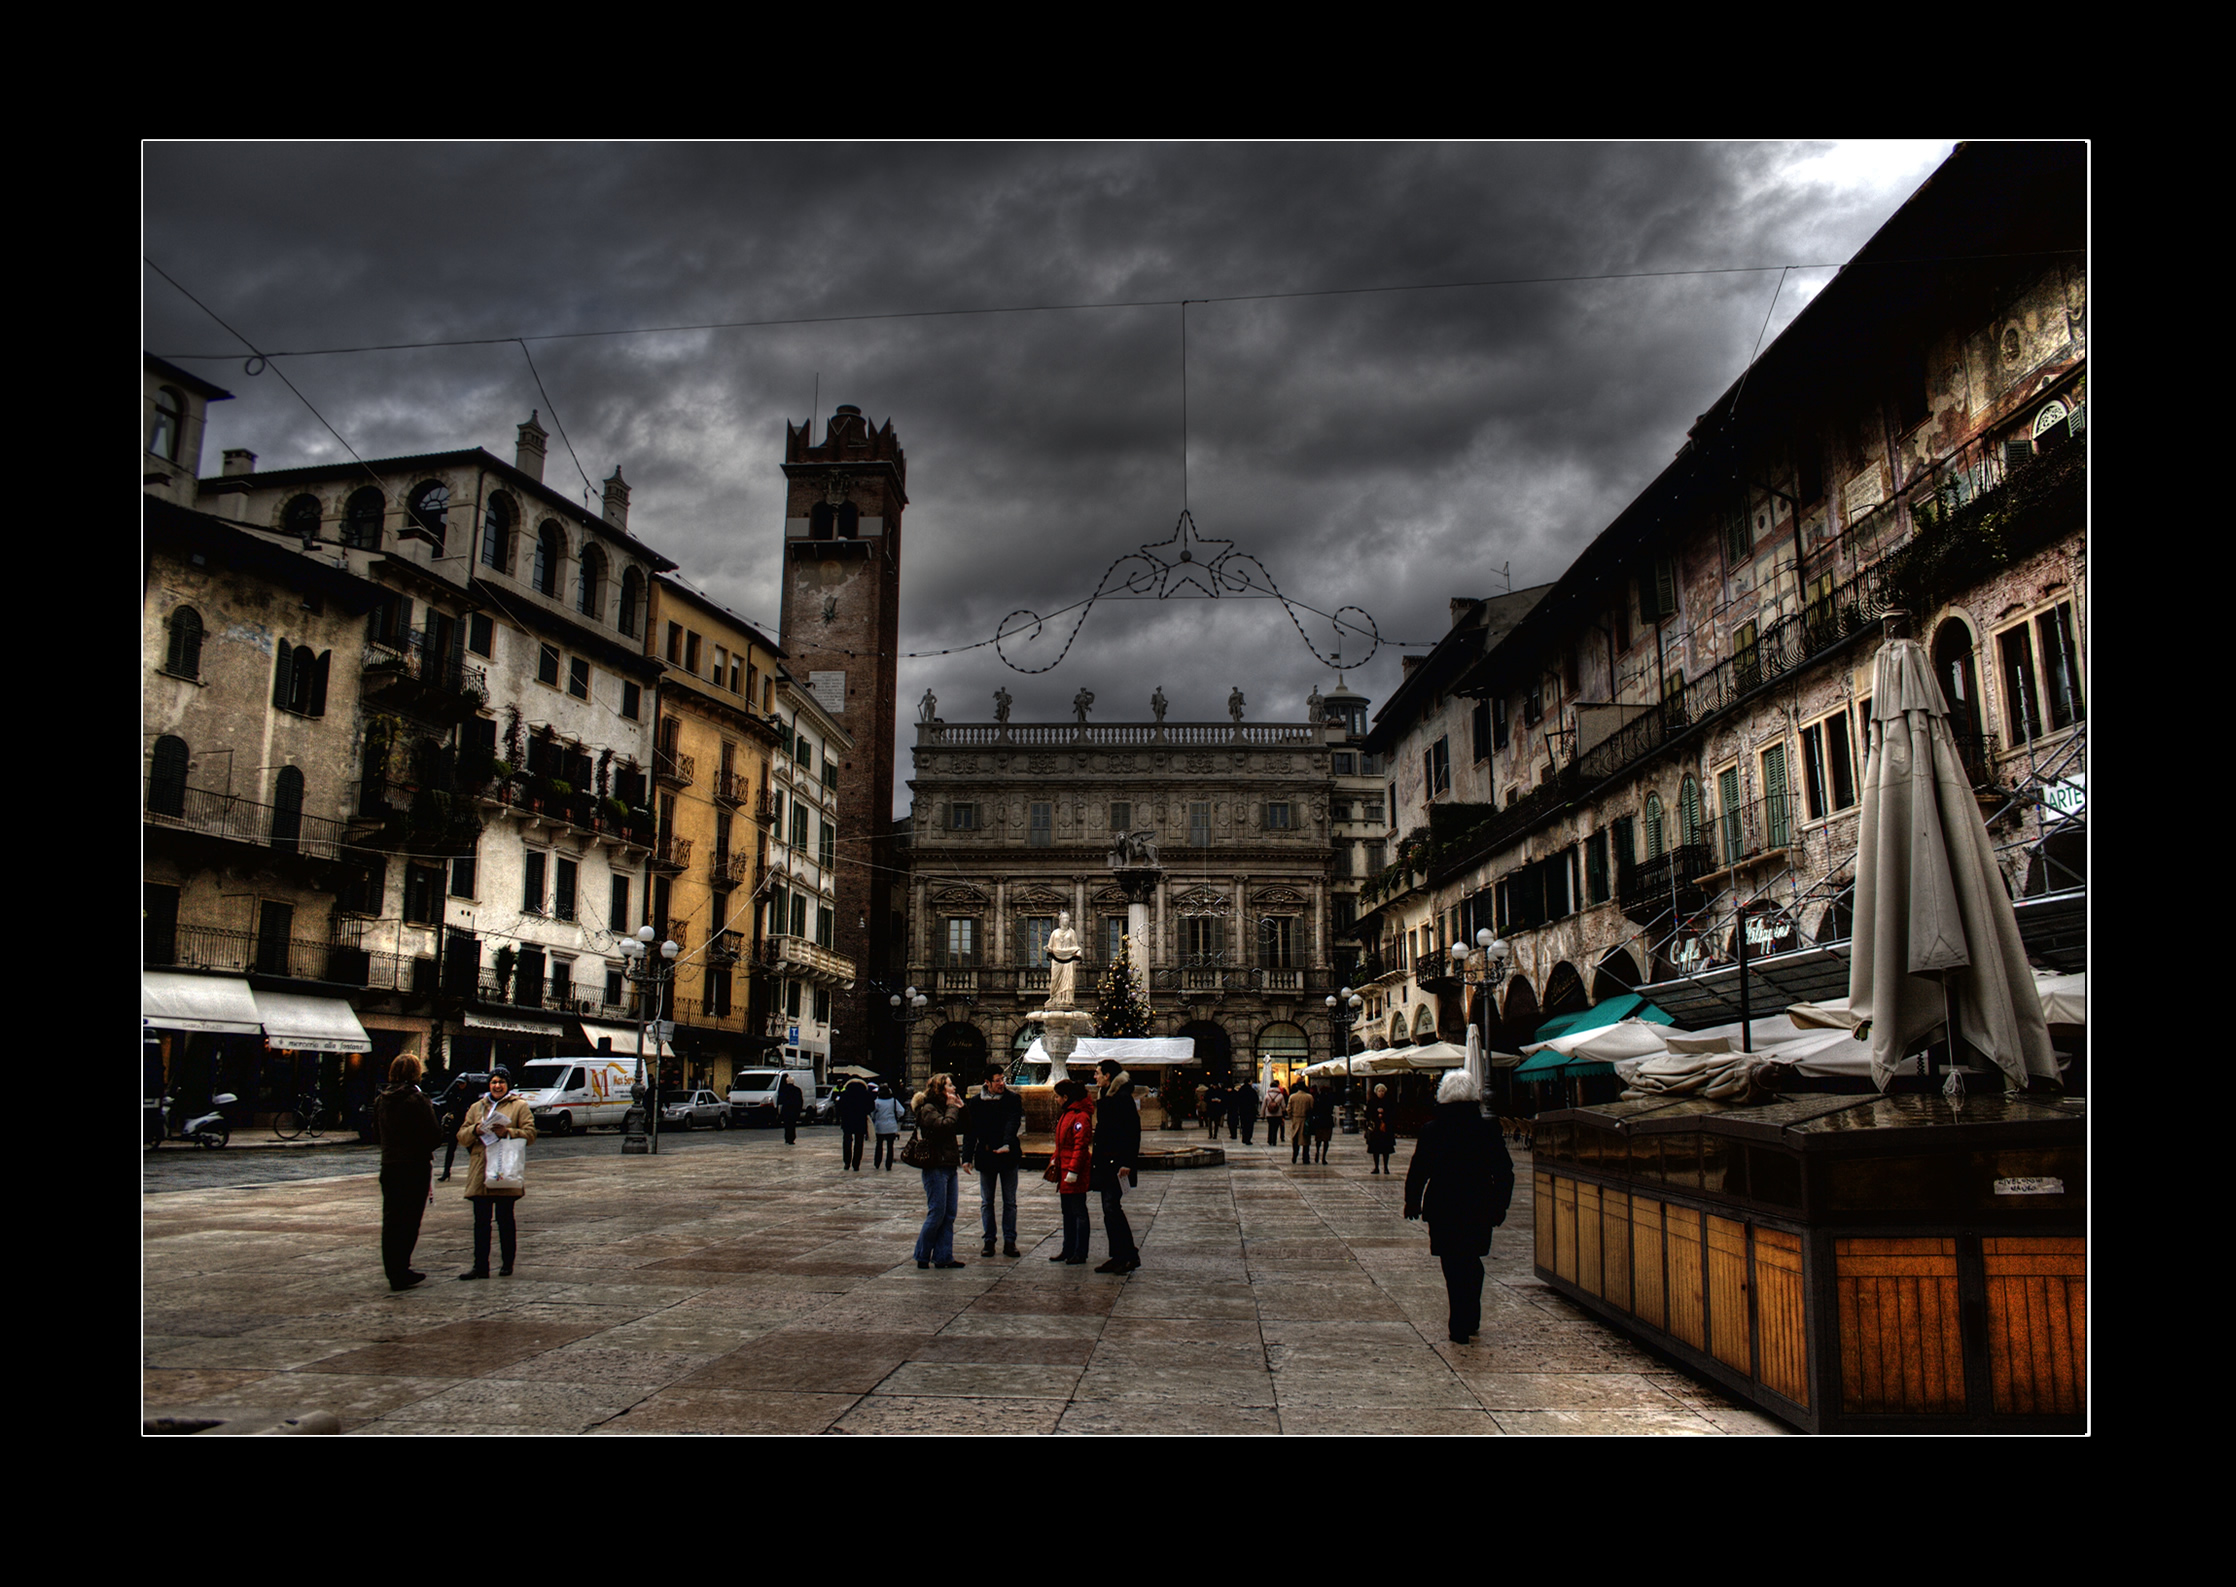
point(951, 735)
point(732, 868)
point(1665, 881)
point(233, 819)
point(671, 853)
point(412, 676)
point(732, 788)
point(241, 952)
point(673, 769)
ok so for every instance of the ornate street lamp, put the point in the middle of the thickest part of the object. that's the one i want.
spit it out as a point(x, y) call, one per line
point(653, 972)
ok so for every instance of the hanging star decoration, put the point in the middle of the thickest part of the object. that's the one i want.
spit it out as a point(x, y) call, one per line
point(1191, 563)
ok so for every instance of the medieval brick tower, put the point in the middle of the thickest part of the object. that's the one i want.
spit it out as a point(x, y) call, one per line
point(841, 635)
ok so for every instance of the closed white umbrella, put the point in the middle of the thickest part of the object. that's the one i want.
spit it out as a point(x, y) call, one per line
point(1936, 941)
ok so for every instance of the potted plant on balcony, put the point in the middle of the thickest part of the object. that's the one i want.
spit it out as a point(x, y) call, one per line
point(612, 815)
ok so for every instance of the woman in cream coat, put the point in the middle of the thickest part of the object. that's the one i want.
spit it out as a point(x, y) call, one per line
point(500, 1114)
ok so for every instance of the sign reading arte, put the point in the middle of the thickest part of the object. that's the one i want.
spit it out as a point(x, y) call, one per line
point(2067, 798)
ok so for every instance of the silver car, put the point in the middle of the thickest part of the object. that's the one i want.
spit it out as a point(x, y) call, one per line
point(680, 1110)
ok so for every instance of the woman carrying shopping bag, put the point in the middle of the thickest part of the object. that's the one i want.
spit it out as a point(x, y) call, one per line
point(497, 1131)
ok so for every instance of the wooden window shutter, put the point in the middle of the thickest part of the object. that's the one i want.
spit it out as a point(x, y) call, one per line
point(282, 679)
point(318, 683)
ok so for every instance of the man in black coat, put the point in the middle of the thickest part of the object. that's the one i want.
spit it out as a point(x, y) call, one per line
point(1115, 1150)
point(408, 1137)
point(788, 1103)
point(992, 1122)
point(1461, 1180)
point(1242, 1112)
point(854, 1122)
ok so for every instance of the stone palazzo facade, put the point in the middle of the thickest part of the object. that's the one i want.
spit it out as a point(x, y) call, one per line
point(1015, 822)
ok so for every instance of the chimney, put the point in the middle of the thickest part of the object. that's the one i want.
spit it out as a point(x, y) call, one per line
point(617, 500)
point(239, 460)
point(1406, 664)
point(528, 454)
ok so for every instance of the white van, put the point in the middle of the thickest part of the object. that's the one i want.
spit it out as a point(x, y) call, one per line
point(753, 1094)
point(569, 1094)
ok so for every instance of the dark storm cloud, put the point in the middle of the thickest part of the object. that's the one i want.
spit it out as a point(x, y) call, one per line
point(1386, 449)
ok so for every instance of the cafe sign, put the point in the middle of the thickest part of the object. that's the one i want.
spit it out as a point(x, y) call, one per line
point(2068, 797)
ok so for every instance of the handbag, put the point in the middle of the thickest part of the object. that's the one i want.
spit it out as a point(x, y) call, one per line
point(916, 1154)
point(505, 1164)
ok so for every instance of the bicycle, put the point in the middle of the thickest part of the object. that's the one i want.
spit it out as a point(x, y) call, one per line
point(308, 1116)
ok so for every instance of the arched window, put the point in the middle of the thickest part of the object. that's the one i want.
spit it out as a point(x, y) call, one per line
point(551, 551)
point(361, 519)
point(299, 679)
point(183, 655)
point(1655, 837)
point(167, 778)
point(287, 808)
point(429, 512)
point(1283, 1043)
point(1691, 828)
point(170, 424)
point(301, 519)
point(632, 601)
point(590, 583)
point(496, 533)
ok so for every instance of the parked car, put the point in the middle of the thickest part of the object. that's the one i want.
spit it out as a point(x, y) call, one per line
point(681, 1110)
point(826, 1105)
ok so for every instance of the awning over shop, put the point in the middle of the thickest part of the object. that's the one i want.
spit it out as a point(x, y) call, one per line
point(1629, 1005)
point(623, 1037)
point(1552, 1064)
point(311, 1024)
point(1774, 983)
point(515, 1024)
point(222, 1004)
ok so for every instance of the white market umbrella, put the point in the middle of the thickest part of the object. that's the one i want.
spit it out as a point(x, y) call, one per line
point(1475, 1060)
point(1936, 941)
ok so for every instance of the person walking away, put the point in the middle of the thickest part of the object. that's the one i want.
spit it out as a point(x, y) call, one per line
point(939, 1120)
point(494, 1118)
point(1323, 1120)
point(992, 1123)
point(457, 1097)
point(1277, 1113)
point(1203, 1103)
point(1381, 1129)
point(854, 1105)
point(1070, 1164)
point(1117, 1152)
point(409, 1135)
point(1300, 1122)
point(1461, 1181)
point(885, 1118)
point(1242, 1119)
point(788, 1102)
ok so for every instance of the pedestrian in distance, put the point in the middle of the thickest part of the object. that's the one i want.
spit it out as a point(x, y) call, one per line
point(1116, 1155)
point(854, 1104)
point(457, 1097)
point(992, 1124)
point(1300, 1122)
point(409, 1134)
point(789, 1100)
point(885, 1118)
point(1070, 1165)
point(1323, 1120)
point(1461, 1181)
point(496, 1117)
point(1242, 1114)
point(1276, 1111)
point(939, 1124)
point(1381, 1129)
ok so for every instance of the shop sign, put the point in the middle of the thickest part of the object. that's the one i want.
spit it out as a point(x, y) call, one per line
point(2069, 797)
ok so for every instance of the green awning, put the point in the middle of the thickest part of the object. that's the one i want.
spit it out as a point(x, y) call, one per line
point(1628, 1005)
point(1550, 1065)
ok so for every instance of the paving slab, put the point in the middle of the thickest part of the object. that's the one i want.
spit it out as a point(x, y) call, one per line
point(730, 1286)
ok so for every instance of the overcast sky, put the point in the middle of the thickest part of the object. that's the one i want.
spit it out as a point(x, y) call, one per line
point(1387, 450)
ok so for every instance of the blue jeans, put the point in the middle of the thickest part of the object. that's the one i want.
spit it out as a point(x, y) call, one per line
point(1077, 1231)
point(1007, 1177)
point(936, 1242)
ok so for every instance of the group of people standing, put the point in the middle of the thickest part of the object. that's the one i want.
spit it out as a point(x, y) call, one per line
point(1097, 1147)
point(1234, 1104)
point(409, 1134)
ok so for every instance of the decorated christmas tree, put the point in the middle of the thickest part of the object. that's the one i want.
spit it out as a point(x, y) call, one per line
point(1120, 1009)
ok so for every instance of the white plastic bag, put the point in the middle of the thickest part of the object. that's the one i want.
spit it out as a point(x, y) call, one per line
point(505, 1164)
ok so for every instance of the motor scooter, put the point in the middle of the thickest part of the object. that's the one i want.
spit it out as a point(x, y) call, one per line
point(208, 1129)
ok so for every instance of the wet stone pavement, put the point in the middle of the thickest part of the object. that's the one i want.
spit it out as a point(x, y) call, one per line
point(743, 1286)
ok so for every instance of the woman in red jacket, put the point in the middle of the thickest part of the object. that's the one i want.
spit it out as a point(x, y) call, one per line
point(1068, 1165)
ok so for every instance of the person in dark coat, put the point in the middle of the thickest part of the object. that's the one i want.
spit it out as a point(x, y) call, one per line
point(1323, 1123)
point(1242, 1112)
point(993, 1121)
point(456, 1099)
point(409, 1134)
point(1461, 1180)
point(854, 1122)
point(789, 1100)
point(1117, 1151)
point(1381, 1129)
